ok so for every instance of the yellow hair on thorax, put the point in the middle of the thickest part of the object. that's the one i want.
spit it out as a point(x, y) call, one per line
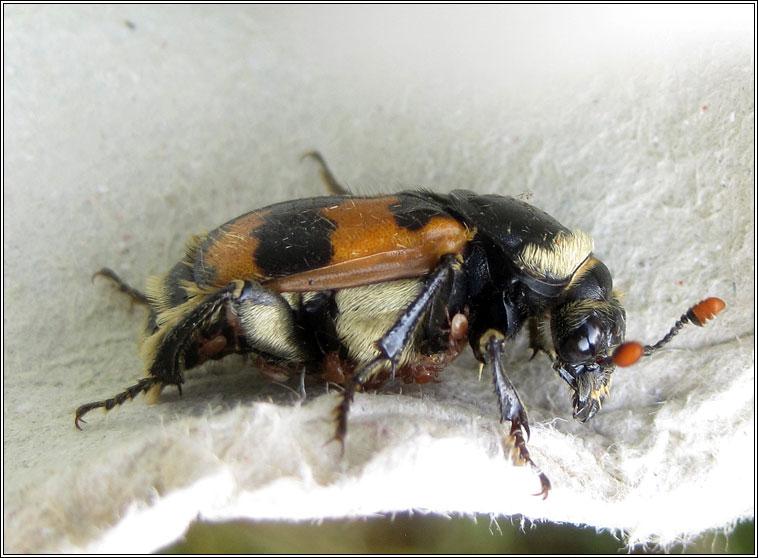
point(561, 259)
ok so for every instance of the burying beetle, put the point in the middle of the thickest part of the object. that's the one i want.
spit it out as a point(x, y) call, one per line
point(363, 289)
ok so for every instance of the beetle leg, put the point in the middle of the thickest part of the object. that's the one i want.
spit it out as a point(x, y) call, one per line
point(392, 344)
point(492, 348)
point(332, 186)
point(171, 356)
point(241, 308)
point(211, 330)
point(143, 386)
point(168, 364)
point(341, 412)
point(138, 297)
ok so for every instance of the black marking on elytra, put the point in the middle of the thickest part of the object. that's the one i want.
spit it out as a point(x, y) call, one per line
point(414, 213)
point(295, 240)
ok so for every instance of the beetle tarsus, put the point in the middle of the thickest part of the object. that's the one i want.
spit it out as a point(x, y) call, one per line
point(342, 411)
point(138, 297)
point(522, 453)
point(492, 346)
point(143, 386)
point(332, 186)
point(544, 483)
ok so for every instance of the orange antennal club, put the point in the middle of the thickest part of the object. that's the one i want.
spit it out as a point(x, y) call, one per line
point(629, 353)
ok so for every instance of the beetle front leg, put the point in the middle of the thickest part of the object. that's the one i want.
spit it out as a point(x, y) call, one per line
point(492, 349)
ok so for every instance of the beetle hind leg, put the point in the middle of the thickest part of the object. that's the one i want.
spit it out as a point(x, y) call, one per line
point(143, 386)
point(242, 317)
point(138, 297)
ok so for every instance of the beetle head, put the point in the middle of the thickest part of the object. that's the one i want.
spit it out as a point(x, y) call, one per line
point(584, 333)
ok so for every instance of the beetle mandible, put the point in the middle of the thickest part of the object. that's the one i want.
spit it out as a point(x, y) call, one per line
point(366, 288)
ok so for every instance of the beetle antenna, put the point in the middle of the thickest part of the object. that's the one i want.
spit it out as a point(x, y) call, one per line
point(629, 353)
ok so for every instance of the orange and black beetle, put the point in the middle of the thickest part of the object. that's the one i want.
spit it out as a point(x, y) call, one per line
point(363, 289)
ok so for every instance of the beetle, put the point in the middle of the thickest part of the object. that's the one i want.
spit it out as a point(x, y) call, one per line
point(363, 289)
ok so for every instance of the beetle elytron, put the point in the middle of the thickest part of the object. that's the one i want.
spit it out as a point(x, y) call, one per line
point(364, 289)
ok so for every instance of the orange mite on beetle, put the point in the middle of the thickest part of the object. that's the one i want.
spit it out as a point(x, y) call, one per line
point(364, 289)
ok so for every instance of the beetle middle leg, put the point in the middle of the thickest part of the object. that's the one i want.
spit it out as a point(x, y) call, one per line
point(395, 340)
point(492, 348)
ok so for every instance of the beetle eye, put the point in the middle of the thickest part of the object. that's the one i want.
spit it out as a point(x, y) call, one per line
point(582, 344)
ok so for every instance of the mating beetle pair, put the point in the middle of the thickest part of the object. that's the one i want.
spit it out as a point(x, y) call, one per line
point(364, 289)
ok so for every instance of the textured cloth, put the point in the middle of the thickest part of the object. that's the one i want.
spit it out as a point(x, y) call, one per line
point(129, 127)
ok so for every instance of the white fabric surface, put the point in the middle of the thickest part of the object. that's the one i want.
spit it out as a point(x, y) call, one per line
point(129, 127)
